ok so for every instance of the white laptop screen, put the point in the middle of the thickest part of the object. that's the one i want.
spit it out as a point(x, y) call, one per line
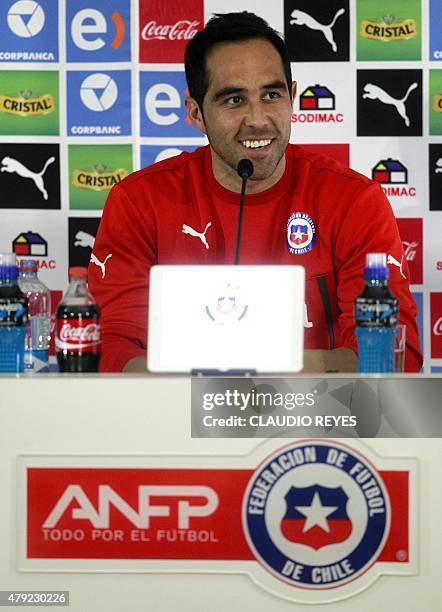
point(226, 317)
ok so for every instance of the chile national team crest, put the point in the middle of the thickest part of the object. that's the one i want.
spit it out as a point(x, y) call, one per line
point(301, 233)
point(316, 515)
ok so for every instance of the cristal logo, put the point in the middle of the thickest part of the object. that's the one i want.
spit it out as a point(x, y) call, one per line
point(140, 518)
point(437, 328)
point(410, 250)
point(181, 30)
point(90, 333)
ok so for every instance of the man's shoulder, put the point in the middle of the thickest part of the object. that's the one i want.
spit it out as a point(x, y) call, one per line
point(178, 164)
point(322, 163)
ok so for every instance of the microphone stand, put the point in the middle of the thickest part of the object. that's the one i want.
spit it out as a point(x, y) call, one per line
point(245, 170)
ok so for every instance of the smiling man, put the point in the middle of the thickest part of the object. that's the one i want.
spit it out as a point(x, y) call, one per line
point(300, 208)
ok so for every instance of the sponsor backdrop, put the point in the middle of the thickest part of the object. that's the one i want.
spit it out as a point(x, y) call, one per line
point(93, 89)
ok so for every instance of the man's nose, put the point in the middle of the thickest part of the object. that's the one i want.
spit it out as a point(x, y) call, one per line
point(256, 115)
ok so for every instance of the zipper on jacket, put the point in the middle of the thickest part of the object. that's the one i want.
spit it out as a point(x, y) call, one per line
point(327, 309)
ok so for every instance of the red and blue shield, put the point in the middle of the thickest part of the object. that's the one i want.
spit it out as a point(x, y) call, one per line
point(299, 233)
point(316, 516)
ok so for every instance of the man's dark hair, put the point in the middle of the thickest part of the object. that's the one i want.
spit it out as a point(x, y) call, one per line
point(224, 28)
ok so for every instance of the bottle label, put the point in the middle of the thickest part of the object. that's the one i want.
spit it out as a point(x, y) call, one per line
point(376, 313)
point(13, 312)
point(78, 335)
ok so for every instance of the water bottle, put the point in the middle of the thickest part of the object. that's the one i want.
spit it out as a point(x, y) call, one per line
point(39, 331)
point(13, 316)
point(78, 337)
point(376, 313)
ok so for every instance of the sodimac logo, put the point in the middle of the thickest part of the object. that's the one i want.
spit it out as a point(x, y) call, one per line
point(167, 27)
point(411, 233)
point(394, 177)
point(315, 521)
point(98, 31)
point(317, 104)
point(29, 31)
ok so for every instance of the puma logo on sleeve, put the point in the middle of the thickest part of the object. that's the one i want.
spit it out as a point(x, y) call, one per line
point(101, 265)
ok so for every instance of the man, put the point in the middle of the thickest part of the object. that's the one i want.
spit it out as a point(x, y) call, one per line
point(300, 208)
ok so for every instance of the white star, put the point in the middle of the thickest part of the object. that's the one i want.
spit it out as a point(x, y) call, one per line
point(298, 234)
point(316, 514)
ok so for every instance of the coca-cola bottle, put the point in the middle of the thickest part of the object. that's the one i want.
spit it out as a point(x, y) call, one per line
point(77, 339)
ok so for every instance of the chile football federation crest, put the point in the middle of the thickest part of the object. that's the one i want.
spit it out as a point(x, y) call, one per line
point(227, 307)
point(301, 233)
point(317, 515)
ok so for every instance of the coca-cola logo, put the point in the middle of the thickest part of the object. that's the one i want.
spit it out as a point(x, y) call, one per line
point(181, 30)
point(437, 328)
point(88, 334)
point(410, 249)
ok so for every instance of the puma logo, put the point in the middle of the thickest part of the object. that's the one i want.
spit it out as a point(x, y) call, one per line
point(438, 166)
point(101, 265)
point(202, 236)
point(11, 165)
point(301, 18)
point(394, 262)
point(373, 92)
point(83, 239)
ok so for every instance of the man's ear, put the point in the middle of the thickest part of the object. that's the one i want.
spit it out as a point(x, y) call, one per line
point(194, 114)
point(294, 87)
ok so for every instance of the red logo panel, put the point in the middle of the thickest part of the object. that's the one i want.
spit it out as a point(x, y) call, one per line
point(129, 513)
point(411, 234)
point(167, 27)
point(436, 325)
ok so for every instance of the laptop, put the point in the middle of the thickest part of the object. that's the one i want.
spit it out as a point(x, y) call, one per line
point(226, 318)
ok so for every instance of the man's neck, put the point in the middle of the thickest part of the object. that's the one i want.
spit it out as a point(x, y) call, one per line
point(229, 179)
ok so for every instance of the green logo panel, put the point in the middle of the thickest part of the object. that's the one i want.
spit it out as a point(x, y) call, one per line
point(29, 103)
point(388, 30)
point(93, 171)
point(435, 102)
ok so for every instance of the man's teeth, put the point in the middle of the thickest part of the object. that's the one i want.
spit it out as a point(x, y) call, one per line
point(255, 144)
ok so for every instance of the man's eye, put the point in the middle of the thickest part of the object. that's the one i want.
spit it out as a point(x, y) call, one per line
point(272, 95)
point(234, 100)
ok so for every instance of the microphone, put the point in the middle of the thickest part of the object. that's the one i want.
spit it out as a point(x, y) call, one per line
point(245, 170)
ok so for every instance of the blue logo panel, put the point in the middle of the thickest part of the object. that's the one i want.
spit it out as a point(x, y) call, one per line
point(162, 110)
point(99, 103)
point(436, 370)
point(151, 154)
point(435, 30)
point(98, 30)
point(29, 31)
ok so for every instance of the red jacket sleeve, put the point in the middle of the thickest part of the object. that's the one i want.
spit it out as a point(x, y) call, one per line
point(123, 253)
point(370, 227)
